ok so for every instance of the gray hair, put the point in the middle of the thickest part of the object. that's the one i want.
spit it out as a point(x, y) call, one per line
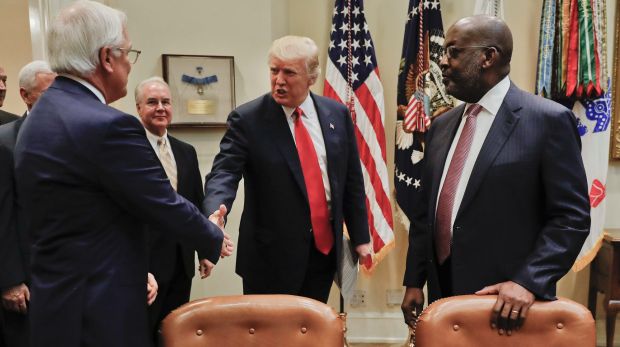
point(28, 74)
point(297, 47)
point(141, 85)
point(78, 33)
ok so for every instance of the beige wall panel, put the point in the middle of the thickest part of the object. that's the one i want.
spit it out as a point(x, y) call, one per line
point(15, 49)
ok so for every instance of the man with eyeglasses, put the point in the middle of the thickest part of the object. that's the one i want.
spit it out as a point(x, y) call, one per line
point(90, 181)
point(505, 207)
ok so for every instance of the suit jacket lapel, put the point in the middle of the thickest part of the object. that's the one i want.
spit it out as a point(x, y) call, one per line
point(503, 125)
point(445, 139)
point(283, 139)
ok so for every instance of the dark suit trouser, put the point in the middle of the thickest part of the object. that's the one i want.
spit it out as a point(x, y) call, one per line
point(14, 331)
point(444, 272)
point(172, 293)
point(318, 279)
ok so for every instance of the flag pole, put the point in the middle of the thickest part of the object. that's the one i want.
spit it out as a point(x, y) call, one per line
point(343, 317)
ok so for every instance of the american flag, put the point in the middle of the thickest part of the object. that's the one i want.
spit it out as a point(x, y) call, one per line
point(421, 95)
point(352, 77)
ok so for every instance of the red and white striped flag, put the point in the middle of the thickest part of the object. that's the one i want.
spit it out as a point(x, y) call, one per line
point(352, 77)
point(416, 118)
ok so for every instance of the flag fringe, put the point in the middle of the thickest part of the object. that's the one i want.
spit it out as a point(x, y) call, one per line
point(582, 262)
point(400, 214)
point(378, 257)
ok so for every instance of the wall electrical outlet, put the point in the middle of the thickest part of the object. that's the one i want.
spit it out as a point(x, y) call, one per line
point(358, 298)
point(394, 297)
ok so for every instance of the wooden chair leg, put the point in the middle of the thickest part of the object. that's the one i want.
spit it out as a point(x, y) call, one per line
point(610, 321)
point(592, 301)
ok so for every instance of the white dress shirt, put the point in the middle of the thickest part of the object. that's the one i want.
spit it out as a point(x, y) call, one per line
point(490, 102)
point(310, 119)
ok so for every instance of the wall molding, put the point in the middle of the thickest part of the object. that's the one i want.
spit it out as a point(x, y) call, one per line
point(376, 327)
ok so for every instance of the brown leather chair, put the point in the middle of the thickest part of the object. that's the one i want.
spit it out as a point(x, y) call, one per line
point(253, 320)
point(464, 321)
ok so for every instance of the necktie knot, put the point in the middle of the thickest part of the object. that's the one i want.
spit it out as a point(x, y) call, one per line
point(473, 110)
point(161, 142)
point(297, 114)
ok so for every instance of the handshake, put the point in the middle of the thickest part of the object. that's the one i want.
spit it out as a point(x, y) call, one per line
point(204, 267)
point(217, 218)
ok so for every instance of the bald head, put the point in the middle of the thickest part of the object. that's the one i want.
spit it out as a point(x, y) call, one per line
point(478, 52)
point(486, 30)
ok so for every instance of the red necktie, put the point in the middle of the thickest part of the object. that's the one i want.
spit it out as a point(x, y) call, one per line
point(443, 218)
point(319, 214)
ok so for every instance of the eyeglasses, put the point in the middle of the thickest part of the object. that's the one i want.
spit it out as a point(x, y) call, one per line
point(453, 51)
point(132, 54)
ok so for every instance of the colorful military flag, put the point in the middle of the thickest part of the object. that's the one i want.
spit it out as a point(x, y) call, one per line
point(572, 69)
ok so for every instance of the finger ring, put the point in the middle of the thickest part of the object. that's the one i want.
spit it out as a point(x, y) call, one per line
point(515, 311)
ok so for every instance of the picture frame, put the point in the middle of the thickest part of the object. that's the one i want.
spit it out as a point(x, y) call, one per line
point(202, 88)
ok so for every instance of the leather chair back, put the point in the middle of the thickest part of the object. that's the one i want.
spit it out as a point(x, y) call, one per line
point(464, 321)
point(253, 320)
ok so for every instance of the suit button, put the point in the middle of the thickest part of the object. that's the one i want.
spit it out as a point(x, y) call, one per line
point(252, 331)
point(199, 332)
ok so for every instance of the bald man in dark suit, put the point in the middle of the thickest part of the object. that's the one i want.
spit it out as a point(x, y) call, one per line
point(504, 207)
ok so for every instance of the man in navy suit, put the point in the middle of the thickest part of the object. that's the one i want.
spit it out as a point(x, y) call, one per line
point(293, 251)
point(90, 181)
point(170, 261)
point(34, 79)
point(505, 206)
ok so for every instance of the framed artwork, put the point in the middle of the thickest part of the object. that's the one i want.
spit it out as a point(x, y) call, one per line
point(202, 88)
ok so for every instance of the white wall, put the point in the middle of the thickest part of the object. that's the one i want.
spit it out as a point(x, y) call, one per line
point(245, 29)
point(15, 49)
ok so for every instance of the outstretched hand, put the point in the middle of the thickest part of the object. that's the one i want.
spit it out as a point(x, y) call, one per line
point(227, 246)
point(218, 218)
point(511, 307)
